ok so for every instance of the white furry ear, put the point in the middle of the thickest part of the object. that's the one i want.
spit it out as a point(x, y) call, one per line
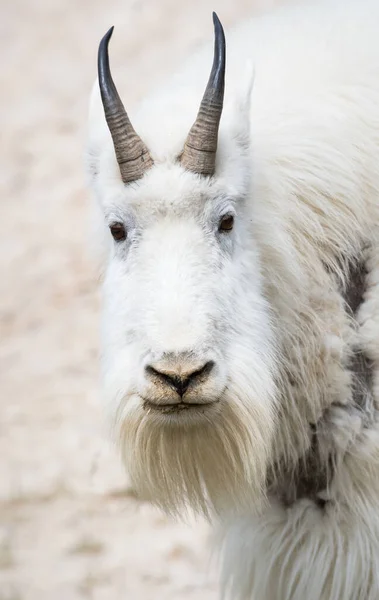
point(234, 155)
point(242, 102)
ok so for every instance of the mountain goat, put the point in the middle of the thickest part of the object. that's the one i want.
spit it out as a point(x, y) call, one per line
point(240, 296)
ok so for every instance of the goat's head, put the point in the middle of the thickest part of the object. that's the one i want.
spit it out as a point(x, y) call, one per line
point(187, 350)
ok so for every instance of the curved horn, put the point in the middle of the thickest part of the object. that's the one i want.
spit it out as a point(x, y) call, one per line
point(132, 155)
point(199, 154)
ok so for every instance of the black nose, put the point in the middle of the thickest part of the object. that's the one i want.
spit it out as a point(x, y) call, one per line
point(180, 381)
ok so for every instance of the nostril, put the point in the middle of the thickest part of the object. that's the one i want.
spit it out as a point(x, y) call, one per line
point(164, 377)
point(197, 377)
point(203, 372)
point(182, 380)
point(153, 372)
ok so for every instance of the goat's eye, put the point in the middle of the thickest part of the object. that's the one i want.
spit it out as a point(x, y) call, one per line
point(226, 223)
point(118, 231)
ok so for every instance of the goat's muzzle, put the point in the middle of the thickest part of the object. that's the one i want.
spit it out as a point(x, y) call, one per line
point(177, 382)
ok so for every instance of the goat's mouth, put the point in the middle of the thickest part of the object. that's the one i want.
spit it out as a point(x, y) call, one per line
point(178, 408)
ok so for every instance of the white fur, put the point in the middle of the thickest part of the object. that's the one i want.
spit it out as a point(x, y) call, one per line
point(298, 164)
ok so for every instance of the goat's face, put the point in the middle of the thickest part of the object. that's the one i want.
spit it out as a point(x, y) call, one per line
point(187, 344)
point(186, 339)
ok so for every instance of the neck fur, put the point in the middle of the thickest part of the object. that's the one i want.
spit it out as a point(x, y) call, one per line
point(311, 475)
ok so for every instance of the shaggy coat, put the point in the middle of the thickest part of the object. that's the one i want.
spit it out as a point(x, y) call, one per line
point(286, 463)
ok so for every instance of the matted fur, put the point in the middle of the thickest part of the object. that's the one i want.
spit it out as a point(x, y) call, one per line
point(298, 163)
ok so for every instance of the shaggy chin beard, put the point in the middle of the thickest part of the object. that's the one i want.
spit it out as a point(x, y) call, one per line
point(215, 463)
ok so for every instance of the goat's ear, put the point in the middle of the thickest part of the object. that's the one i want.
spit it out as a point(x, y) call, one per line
point(242, 104)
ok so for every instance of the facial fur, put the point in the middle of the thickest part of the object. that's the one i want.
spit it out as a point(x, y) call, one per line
point(177, 285)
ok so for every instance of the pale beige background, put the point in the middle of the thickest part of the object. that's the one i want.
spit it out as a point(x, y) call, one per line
point(70, 526)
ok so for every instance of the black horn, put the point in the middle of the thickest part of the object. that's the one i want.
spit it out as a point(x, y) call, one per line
point(132, 154)
point(199, 154)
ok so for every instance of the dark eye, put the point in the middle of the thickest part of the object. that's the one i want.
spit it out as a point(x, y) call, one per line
point(118, 231)
point(226, 223)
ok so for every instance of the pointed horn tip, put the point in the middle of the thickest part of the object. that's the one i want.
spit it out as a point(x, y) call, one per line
point(103, 47)
point(218, 28)
point(108, 35)
point(216, 20)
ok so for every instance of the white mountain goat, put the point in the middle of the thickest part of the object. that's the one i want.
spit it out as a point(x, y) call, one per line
point(241, 301)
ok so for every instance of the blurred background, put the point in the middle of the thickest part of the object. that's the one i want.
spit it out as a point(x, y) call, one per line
point(71, 527)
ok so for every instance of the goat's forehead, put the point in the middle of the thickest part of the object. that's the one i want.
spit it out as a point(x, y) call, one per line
point(167, 190)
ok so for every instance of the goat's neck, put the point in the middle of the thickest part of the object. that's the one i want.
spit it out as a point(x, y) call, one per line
point(312, 474)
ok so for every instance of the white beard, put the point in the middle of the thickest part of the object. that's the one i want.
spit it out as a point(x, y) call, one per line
point(215, 464)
